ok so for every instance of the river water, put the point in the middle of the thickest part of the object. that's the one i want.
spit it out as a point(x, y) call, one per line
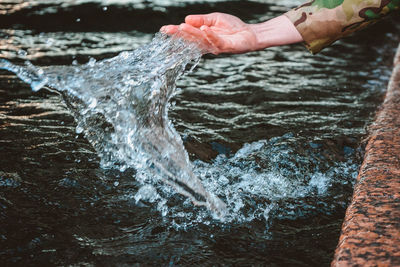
point(275, 135)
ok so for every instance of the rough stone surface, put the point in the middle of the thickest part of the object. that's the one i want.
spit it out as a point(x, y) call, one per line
point(371, 229)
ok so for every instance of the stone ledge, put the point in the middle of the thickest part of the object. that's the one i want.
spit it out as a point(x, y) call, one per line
point(371, 229)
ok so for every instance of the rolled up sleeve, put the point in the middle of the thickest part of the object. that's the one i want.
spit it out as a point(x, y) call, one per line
point(322, 22)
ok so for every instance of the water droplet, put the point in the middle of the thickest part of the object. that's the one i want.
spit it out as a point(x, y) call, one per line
point(91, 62)
point(124, 55)
point(22, 53)
point(36, 85)
point(78, 130)
point(93, 103)
point(50, 42)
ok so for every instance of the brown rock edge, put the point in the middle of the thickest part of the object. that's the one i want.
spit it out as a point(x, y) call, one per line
point(371, 229)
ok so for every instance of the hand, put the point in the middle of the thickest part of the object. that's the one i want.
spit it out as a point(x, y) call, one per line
point(216, 33)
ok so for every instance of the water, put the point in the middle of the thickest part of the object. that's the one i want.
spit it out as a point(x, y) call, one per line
point(273, 134)
point(121, 107)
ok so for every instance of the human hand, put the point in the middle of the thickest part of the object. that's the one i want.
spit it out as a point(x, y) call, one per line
point(216, 33)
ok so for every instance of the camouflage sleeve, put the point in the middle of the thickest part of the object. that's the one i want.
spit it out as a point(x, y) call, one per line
point(322, 22)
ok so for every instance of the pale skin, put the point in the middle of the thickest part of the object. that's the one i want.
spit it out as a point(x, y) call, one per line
point(218, 33)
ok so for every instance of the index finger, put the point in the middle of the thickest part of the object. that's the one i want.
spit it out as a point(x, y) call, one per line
point(200, 20)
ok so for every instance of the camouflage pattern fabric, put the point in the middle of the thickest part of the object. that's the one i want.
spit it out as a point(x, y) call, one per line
point(322, 22)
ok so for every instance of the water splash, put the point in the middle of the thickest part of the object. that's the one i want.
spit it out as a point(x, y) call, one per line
point(279, 178)
point(272, 177)
point(121, 106)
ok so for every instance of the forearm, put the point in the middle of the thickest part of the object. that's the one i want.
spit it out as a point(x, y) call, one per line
point(275, 32)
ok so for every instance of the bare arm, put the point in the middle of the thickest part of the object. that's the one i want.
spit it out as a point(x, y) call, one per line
point(222, 33)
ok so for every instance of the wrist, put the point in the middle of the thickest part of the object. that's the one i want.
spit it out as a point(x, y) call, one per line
point(275, 32)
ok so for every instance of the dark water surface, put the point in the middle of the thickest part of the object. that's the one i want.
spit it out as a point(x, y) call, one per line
point(276, 133)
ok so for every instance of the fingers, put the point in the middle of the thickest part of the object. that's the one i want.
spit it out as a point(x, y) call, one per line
point(169, 29)
point(207, 40)
point(195, 32)
point(192, 20)
point(200, 20)
point(214, 39)
point(198, 36)
point(185, 31)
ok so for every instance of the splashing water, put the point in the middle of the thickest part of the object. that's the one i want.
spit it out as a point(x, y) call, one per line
point(270, 177)
point(121, 106)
